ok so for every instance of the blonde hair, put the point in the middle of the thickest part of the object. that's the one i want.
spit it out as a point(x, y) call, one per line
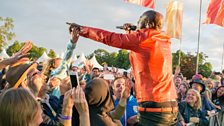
point(198, 104)
point(17, 108)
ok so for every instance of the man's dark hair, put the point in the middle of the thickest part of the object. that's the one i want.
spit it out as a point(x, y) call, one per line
point(151, 19)
point(95, 68)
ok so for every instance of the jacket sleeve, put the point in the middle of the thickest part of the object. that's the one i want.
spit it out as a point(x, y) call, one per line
point(124, 41)
point(61, 70)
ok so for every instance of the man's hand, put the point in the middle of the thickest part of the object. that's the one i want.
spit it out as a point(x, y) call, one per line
point(128, 27)
point(74, 35)
point(65, 85)
point(89, 66)
point(132, 120)
point(80, 101)
point(19, 56)
point(75, 26)
point(68, 100)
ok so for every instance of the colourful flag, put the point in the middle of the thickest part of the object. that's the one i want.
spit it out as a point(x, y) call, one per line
point(174, 15)
point(145, 3)
point(215, 13)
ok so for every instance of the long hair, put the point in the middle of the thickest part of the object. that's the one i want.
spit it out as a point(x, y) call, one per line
point(17, 108)
point(198, 104)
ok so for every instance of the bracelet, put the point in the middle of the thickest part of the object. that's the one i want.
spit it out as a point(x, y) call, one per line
point(65, 117)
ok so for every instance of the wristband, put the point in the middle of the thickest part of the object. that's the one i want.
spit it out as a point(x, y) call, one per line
point(65, 117)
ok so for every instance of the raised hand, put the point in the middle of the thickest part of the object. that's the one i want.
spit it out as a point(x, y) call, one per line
point(74, 36)
point(80, 101)
point(126, 90)
point(21, 54)
point(27, 47)
point(75, 26)
point(65, 85)
point(88, 66)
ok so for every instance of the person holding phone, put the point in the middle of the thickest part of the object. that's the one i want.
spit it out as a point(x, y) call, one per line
point(61, 72)
point(151, 60)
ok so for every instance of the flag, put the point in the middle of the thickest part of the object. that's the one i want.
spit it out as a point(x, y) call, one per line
point(174, 15)
point(215, 13)
point(219, 20)
point(145, 3)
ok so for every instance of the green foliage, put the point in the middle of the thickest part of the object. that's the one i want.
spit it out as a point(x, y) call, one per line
point(188, 64)
point(123, 59)
point(119, 59)
point(35, 52)
point(51, 53)
point(6, 34)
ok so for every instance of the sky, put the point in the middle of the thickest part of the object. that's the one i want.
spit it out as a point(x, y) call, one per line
point(43, 22)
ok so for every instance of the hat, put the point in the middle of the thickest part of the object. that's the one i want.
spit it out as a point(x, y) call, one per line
point(198, 81)
point(17, 73)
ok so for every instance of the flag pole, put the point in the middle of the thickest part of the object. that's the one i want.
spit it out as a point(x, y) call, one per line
point(222, 55)
point(180, 52)
point(179, 61)
point(199, 30)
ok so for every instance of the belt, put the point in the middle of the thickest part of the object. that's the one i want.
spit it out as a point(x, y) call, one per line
point(170, 109)
point(151, 104)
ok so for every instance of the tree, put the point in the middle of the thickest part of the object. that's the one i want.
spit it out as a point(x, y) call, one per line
point(188, 64)
point(6, 33)
point(101, 56)
point(51, 53)
point(123, 59)
point(15, 47)
point(119, 59)
point(35, 52)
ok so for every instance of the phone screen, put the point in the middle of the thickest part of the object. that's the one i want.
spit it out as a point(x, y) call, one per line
point(74, 78)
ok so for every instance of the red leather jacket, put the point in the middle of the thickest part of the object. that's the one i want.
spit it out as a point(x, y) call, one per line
point(150, 58)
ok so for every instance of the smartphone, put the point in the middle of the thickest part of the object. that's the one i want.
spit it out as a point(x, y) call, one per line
point(74, 78)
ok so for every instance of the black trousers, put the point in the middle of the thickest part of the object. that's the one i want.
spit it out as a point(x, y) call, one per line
point(157, 118)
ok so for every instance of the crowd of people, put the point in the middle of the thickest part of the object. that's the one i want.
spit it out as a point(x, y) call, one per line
point(42, 94)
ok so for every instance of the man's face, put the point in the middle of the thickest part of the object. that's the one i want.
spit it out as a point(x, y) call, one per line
point(220, 92)
point(118, 86)
point(197, 87)
point(95, 72)
point(36, 79)
point(178, 81)
point(57, 63)
point(54, 82)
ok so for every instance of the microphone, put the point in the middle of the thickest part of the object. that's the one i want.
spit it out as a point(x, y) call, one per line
point(132, 28)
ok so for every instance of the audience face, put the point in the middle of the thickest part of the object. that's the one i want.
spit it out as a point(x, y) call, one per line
point(54, 82)
point(191, 97)
point(182, 88)
point(58, 62)
point(209, 84)
point(36, 80)
point(118, 86)
point(197, 87)
point(220, 92)
point(178, 81)
point(95, 72)
point(217, 84)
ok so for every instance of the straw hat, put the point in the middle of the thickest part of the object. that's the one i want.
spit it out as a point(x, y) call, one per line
point(17, 73)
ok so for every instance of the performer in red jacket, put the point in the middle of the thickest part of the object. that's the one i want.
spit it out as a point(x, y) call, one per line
point(151, 60)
